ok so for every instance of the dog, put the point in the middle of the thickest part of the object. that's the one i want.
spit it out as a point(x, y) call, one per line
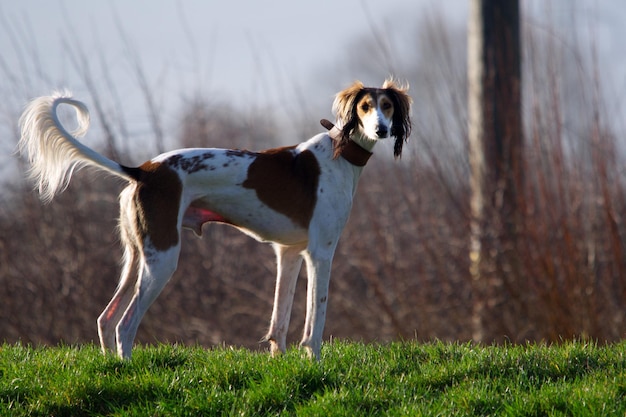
point(297, 197)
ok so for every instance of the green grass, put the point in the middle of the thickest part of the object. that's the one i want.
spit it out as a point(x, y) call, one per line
point(398, 379)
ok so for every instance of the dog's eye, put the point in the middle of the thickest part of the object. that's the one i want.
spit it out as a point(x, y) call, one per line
point(365, 107)
point(386, 105)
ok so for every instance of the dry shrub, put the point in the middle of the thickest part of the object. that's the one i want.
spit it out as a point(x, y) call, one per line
point(401, 269)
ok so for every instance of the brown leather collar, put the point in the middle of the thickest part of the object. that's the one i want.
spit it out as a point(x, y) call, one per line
point(354, 154)
point(350, 151)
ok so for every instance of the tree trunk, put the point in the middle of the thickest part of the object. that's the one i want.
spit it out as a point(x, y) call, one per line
point(495, 142)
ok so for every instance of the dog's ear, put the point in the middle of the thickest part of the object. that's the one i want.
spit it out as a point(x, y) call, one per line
point(344, 108)
point(401, 123)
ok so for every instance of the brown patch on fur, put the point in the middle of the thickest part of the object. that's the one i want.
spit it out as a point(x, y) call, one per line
point(286, 181)
point(157, 200)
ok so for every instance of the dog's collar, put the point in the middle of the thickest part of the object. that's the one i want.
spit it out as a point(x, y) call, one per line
point(350, 151)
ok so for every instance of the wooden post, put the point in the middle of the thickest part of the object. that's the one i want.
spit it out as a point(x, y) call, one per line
point(495, 143)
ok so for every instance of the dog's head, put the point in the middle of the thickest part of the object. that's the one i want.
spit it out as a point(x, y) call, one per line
point(375, 113)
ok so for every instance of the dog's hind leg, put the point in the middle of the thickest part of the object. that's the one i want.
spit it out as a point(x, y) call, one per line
point(131, 240)
point(156, 269)
point(289, 262)
point(113, 312)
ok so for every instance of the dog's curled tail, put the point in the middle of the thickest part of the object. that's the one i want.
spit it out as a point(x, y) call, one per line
point(53, 152)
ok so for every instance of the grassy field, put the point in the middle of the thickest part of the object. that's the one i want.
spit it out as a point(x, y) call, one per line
point(353, 379)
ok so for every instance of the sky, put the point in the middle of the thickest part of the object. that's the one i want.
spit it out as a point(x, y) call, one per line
point(273, 54)
point(234, 48)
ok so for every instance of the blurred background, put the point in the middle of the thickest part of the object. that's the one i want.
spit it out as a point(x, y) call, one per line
point(166, 74)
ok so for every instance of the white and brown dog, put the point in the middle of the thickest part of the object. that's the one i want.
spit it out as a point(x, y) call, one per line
point(297, 197)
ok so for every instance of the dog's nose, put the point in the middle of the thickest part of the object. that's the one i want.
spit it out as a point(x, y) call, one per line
point(381, 131)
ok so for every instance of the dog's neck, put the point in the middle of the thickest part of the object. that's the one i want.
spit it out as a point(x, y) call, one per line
point(351, 151)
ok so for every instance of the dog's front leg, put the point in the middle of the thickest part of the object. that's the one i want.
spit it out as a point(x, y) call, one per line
point(318, 275)
point(289, 262)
